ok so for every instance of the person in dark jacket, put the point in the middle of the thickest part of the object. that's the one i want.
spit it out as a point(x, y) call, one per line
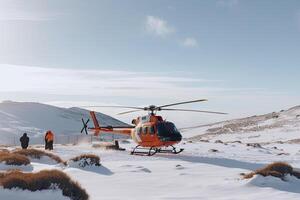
point(24, 141)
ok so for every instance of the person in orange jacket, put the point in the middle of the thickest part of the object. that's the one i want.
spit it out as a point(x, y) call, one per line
point(49, 139)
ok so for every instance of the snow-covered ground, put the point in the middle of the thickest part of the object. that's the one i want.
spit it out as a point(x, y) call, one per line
point(197, 173)
point(282, 122)
point(209, 168)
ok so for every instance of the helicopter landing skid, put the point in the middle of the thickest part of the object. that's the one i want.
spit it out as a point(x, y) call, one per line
point(148, 152)
point(152, 151)
point(173, 150)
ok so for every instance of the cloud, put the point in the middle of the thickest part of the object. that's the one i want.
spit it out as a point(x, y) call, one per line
point(227, 3)
point(23, 16)
point(190, 42)
point(77, 87)
point(18, 11)
point(109, 83)
point(161, 28)
point(54, 81)
point(158, 27)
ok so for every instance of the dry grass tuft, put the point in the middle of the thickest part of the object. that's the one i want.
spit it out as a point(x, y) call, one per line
point(4, 150)
point(43, 180)
point(87, 160)
point(96, 146)
point(13, 159)
point(37, 154)
point(276, 169)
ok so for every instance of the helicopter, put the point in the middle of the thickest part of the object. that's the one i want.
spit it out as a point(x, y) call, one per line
point(151, 132)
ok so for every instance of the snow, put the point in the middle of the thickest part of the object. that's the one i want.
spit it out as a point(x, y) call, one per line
point(28, 195)
point(44, 160)
point(257, 137)
point(4, 167)
point(281, 122)
point(204, 170)
point(290, 184)
point(197, 173)
point(83, 163)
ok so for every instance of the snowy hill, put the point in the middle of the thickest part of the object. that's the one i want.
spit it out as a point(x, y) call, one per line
point(36, 118)
point(210, 166)
point(285, 121)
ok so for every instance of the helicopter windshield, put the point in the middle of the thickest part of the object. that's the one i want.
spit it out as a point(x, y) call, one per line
point(167, 129)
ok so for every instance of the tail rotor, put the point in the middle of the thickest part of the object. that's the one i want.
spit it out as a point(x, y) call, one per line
point(85, 126)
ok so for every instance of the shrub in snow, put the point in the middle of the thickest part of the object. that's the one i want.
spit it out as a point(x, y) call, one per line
point(255, 145)
point(43, 180)
point(219, 141)
point(4, 150)
point(201, 141)
point(276, 169)
point(13, 159)
point(85, 160)
point(38, 154)
point(97, 146)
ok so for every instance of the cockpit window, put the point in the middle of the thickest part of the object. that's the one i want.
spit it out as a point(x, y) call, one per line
point(167, 129)
point(151, 130)
point(145, 130)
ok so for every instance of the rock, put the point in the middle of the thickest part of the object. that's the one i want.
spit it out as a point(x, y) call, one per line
point(213, 150)
point(283, 154)
point(219, 141)
point(237, 141)
point(255, 145)
point(204, 140)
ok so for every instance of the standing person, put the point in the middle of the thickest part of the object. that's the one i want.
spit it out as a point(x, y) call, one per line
point(49, 138)
point(46, 143)
point(24, 141)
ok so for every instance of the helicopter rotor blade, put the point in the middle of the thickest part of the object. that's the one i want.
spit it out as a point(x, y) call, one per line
point(130, 111)
point(179, 103)
point(188, 110)
point(130, 107)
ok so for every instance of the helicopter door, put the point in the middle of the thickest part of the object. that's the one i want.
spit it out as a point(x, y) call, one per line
point(146, 134)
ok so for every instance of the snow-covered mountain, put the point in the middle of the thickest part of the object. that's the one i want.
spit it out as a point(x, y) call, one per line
point(284, 121)
point(36, 118)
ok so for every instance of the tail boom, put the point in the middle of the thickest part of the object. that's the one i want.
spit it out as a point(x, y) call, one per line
point(113, 130)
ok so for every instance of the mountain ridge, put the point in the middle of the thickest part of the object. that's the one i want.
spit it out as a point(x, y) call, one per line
point(284, 120)
point(35, 118)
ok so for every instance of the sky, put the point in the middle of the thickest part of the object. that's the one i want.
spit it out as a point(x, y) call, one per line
point(243, 56)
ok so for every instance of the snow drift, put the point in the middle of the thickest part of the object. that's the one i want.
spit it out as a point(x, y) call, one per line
point(282, 121)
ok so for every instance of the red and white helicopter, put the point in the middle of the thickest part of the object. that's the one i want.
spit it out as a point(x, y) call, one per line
point(150, 132)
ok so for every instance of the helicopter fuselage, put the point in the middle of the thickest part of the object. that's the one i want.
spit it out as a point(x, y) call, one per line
point(153, 131)
point(149, 131)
